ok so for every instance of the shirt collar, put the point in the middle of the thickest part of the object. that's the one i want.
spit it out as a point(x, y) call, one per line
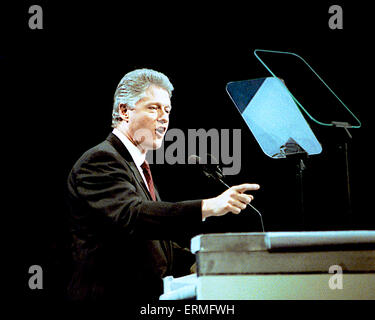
point(136, 154)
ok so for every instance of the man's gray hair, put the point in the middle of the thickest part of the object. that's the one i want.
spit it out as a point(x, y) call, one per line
point(132, 88)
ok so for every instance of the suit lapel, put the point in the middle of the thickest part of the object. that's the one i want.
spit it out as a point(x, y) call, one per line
point(166, 245)
point(121, 149)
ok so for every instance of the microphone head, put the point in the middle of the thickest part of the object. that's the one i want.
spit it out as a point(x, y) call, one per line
point(194, 159)
point(208, 159)
point(210, 170)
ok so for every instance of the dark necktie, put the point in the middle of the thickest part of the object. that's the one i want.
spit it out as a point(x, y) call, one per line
point(165, 244)
point(147, 173)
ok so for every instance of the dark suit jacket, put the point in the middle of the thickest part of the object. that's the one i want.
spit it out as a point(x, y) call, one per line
point(114, 224)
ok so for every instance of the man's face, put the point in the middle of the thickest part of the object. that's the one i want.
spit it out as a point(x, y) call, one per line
point(148, 121)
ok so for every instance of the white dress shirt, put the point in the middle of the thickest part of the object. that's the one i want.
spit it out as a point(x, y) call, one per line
point(135, 153)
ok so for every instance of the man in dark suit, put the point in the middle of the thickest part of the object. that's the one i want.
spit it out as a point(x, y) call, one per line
point(121, 230)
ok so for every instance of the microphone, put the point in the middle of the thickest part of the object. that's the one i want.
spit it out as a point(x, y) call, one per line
point(210, 170)
point(214, 172)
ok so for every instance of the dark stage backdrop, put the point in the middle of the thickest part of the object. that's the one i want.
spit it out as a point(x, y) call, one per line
point(57, 91)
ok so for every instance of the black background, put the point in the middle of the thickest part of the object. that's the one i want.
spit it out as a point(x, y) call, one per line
point(57, 90)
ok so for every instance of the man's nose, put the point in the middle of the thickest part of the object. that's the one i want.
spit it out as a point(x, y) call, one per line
point(163, 117)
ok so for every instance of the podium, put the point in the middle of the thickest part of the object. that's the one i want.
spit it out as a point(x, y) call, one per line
point(325, 265)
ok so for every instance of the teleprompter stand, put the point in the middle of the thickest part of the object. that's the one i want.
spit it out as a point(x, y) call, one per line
point(290, 60)
point(273, 114)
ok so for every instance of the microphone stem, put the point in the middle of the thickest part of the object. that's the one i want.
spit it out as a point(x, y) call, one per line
point(249, 204)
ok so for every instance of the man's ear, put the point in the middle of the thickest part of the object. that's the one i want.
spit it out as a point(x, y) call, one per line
point(123, 111)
